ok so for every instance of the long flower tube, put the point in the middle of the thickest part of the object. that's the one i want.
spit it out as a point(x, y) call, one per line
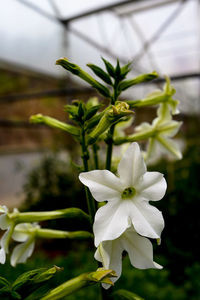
point(27, 233)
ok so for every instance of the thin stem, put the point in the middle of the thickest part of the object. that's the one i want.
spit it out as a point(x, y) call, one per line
point(110, 147)
point(85, 157)
point(111, 131)
point(95, 155)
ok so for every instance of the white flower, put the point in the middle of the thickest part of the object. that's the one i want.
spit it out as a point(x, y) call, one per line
point(166, 96)
point(128, 198)
point(139, 249)
point(8, 225)
point(161, 142)
point(25, 233)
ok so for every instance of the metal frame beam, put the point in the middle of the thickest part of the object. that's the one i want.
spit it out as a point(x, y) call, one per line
point(99, 10)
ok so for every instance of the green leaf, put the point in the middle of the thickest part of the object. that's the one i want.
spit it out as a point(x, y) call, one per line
point(117, 70)
point(92, 111)
point(15, 295)
point(100, 73)
point(4, 282)
point(94, 121)
point(81, 110)
point(125, 70)
point(124, 294)
point(110, 69)
point(26, 277)
point(46, 275)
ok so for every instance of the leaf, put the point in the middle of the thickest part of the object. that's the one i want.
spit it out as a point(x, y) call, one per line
point(94, 121)
point(110, 69)
point(117, 70)
point(26, 277)
point(46, 275)
point(125, 70)
point(124, 294)
point(100, 73)
point(92, 111)
point(4, 282)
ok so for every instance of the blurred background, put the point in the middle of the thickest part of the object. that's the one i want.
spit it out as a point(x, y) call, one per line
point(36, 171)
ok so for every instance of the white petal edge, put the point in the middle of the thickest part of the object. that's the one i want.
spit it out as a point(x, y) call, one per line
point(109, 253)
point(2, 256)
point(131, 166)
point(152, 186)
point(111, 220)
point(4, 222)
point(22, 252)
point(140, 250)
point(103, 184)
point(146, 219)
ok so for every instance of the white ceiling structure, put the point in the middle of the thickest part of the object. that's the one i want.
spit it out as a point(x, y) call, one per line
point(161, 35)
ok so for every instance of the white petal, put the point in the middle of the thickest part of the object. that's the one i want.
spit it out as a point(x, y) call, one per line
point(4, 222)
point(2, 256)
point(146, 219)
point(111, 220)
point(170, 145)
point(22, 252)
point(140, 250)
point(131, 166)
point(109, 253)
point(5, 240)
point(18, 235)
point(103, 184)
point(3, 209)
point(170, 129)
point(152, 186)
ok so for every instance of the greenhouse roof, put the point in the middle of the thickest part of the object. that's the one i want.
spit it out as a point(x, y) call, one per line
point(160, 35)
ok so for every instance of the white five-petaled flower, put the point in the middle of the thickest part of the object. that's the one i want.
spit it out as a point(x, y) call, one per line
point(164, 129)
point(128, 198)
point(5, 224)
point(25, 233)
point(139, 249)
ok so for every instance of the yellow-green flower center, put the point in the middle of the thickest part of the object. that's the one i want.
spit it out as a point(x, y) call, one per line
point(129, 192)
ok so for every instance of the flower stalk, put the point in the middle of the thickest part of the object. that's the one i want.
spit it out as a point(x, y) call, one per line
point(27, 217)
point(83, 280)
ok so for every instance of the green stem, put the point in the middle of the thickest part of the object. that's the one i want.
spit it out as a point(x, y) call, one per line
point(110, 147)
point(95, 156)
point(111, 131)
point(85, 158)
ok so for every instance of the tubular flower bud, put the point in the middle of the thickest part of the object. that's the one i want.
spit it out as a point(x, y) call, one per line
point(110, 117)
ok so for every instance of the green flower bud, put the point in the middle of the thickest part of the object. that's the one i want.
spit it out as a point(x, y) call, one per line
point(76, 70)
point(40, 119)
point(83, 280)
point(111, 115)
point(139, 79)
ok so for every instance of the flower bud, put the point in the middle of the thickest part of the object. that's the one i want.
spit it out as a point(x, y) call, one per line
point(111, 115)
point(40, 119)
point(76, 70)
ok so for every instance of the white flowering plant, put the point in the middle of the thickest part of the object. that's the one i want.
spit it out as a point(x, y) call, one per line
point(117, 192)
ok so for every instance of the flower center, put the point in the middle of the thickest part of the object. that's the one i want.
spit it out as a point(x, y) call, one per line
point(129, 192)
